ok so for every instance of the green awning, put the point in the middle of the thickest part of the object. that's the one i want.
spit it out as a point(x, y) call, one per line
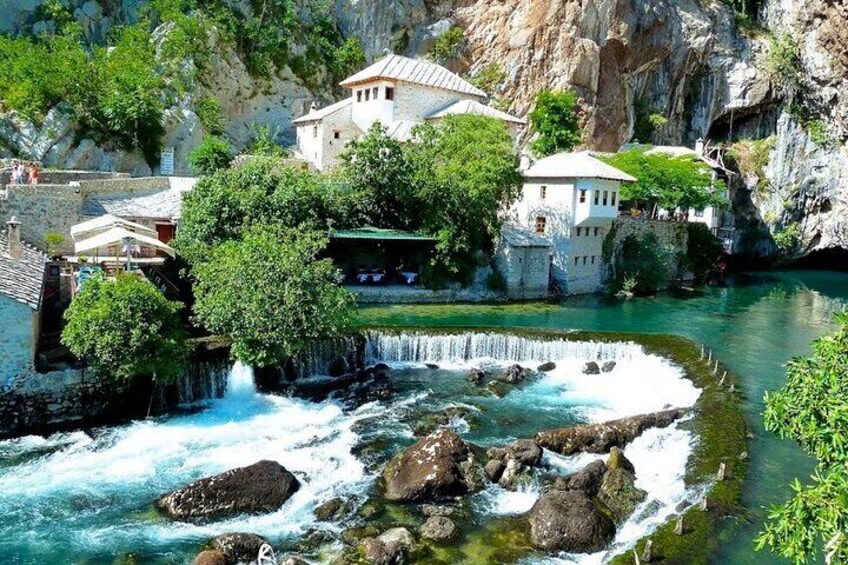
point(380, 235)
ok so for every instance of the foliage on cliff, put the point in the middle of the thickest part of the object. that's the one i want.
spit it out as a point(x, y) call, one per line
point(270, 294)
point(667, 181)
point(556, 122)
point(812, 409)
point(213, 154)
point(125, 329)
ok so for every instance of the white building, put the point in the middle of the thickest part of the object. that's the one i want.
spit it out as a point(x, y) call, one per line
point(572, 198)
point(399, 93)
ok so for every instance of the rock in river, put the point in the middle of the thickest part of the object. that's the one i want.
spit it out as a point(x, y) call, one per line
point(239, 547)
point(587, 480)
point(438, 528)
point(600, 438)
point(618, 488)
point(591, 368)
point(569, 521)
point(262, 487)
point(514, 374)
point(546, 367)
point(210, 557)
point(438, 466)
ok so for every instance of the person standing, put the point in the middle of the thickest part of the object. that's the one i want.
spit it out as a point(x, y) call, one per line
point(33, 177)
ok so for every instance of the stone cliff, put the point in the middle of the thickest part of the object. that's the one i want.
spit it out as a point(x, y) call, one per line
point(684, 63)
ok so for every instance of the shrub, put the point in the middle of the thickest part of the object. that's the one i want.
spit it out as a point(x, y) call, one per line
point(556, 121)
point(818, 133)
point(703, 251)
point(784, 61)
point(495, 281)
point(125, 329)
point(751, 158)
point(644, 260)
point(489, 79)
point(208, 111)
point(788, 239)
point(213, 154)
point(263, 142)
point(447, 45)
point(53, 240)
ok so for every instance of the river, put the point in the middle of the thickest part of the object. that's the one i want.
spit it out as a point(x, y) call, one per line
point(754, 325)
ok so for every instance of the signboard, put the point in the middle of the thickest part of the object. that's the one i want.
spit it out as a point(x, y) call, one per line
point(166, 164)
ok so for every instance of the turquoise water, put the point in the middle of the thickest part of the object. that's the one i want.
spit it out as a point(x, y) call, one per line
point(754, 326)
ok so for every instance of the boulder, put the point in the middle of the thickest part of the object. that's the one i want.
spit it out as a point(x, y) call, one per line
point(210, 557)
point(512, 472)
point(608, 366)
point(438, 528)
point(600, 438)
point(569, 521)
point(294, 561)
point(438, 466)
point(327, 510)
point(617, 460)
point(376, 552)
point(431, 366)
point(475, 376)
point(262, 487)
point(239, 547)
point(587, 480)
point(514, 374)
point(494, 469)
point(380, 371)
point(546, 367)
point(525, 451)
point(434, 510)
point(398, 536)
point(591, 368)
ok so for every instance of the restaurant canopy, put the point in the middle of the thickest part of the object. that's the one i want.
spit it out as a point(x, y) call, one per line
point(118, 236)
point(106, 222)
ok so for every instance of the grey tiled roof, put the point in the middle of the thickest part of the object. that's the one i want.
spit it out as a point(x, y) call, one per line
point(416, 71)
point(22, 279)
point(160, 204)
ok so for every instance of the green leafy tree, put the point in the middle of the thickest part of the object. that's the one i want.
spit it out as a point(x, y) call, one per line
point(382, 171)
point(208, 111)
point(349, 57)
point(271, 295)
point(125, 329)
point(213, 154)
point(53, 240)
point(466, 173)
point(641, 263)
point(667, 181)
point(263, 142)
point(703, 251)
point(556, 121)
point(812, 409)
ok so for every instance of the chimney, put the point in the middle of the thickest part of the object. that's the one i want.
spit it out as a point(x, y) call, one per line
point(313, 106)
point(14, 236)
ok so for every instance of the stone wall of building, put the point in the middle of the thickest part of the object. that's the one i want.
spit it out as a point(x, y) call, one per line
point(19, 325)
point(526, 270)
point(672, 236)
point(585, 265)
point(415, 102)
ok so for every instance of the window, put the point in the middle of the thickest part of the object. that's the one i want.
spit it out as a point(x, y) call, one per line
point(584, 259)
point(359, 96)
point(337, 134)
point(543, 191)
point(578, 232)
point(613, 198)
point(376, 93)
point(597, 196)
point(541, 223)
point(390, 93)
point(699, 213)
point(596, 231)
point(606, 197)
point(593, 259)
point(314, 131)
point(576, 259)
point(582, 196)
point(367, 94)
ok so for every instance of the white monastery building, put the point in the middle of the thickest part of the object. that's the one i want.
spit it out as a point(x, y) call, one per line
point(572, 199)
point(399, 93)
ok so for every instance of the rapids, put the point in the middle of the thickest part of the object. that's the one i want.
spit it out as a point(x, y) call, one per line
point(87, 496)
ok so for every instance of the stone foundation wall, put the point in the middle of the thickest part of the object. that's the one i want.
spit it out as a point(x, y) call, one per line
point(673, 236)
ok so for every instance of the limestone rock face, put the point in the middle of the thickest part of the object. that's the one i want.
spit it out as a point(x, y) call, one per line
point(569, 521)
point(600, 438)
point(438, 466)
point(262, 487)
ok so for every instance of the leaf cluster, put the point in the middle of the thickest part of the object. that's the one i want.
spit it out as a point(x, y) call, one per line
point(556, 122)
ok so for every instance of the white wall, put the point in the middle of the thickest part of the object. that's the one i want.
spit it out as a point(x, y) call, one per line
point(415, 102)
point(318, 143)
point(365, 110)
point(525, 270)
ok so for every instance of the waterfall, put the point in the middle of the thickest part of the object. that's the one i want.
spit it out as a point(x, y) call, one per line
point(240, 385)
point(427, 348)
point(202, 381)
point(328, 357)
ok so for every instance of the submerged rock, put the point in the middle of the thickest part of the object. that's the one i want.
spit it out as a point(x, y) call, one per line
point(600, 438)
point(569, 521)
point(431, 422)
point(239, 547)
point(327, 510)
point(294, 561)
point(475, 376)
point(210, 557)
point(438, 466)
point(587, 480)
point(591, 368)
point(438, 528)
point(389, 548)
point(262, 487)
point(435, 510)
point(546, 367)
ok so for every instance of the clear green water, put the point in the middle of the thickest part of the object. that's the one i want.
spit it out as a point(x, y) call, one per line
point(754, 326)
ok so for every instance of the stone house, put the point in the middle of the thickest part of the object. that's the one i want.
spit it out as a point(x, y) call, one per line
point(397, 92)
point(523, 258)
point(572, 200)
point(22, 274)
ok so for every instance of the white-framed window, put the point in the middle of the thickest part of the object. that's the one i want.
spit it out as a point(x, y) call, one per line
point(541, 224)
point(390, 93)
point(612, 202)
point(582, 196)
point(606, 197)
point(359, 96)
point(375, 92)
point(597, 196)
point(367, 94)
point(337, 134)
point(314, 131)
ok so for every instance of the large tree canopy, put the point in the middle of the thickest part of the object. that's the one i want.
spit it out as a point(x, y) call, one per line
point(556, 122)
point(270, 294)
point(125, 329)
point(670, 182)
point(812, 409)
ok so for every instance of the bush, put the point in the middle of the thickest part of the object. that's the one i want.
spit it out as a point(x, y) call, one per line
point(208, 111)
point(788, 239)
point(263, 143)
point(703, 251)
point(644, 260)
point(784, 61)
point(213, 154)
point(125, 329)
point(447, 45)
point(818, 133)
point(489, 79)
point(53, 240)
point(556, 122)
point(496, 282)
